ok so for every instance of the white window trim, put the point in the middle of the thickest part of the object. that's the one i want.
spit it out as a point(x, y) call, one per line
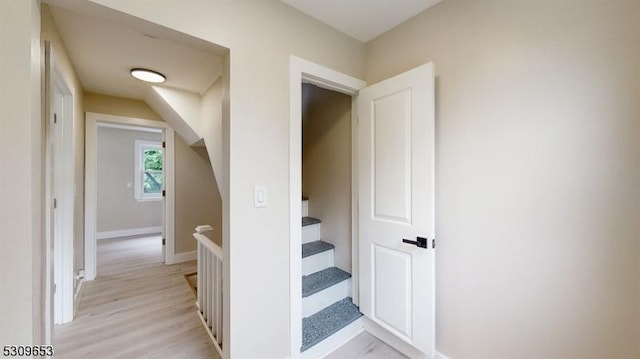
point(139, 194)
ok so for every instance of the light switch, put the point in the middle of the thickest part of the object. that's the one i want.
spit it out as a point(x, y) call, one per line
point(260, 196)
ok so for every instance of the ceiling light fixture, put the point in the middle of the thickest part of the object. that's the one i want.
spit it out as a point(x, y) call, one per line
point(148, 75)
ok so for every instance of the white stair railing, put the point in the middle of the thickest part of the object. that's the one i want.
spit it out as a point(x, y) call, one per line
point(209, 290)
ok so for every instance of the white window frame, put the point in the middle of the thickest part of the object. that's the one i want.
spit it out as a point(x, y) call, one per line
point(139, 193)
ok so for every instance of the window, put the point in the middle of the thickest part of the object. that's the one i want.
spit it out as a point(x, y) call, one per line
point(148, 171)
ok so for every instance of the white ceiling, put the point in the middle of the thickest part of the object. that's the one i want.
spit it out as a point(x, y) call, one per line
point(362, 19)
point(104, 46)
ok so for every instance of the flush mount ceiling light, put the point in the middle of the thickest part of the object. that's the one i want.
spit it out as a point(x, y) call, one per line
point(148, 75)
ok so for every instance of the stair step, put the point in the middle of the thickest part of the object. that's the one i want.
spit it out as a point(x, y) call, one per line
point(307, 221)
point(309, 249)
point(318, 281)
point(324, 298)
point(310, 229)
point(326, 322)
point(316, 256)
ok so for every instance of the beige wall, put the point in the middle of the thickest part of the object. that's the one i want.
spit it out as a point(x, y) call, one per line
point(211, 127)
point(21, 175)
point(261, 36)
point(197, 198)
point(117, 207)
point(326, 166)
point(118, 106)
point(537, 153)
point(50, 33)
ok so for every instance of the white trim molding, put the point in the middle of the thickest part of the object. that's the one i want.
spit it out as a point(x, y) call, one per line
point(129, 232)
point(185, 257)
point(59, 193)
point(300, 71)
point(441, 356)
point(91, 186)
point(130, 128)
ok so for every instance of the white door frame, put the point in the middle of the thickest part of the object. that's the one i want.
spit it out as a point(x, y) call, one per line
point(91, 185)
point(59, 250)
point(300, 71)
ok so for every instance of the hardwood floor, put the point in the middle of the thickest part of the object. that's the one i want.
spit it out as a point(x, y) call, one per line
point(140, 308)
point(367, 346)
point(136, 308)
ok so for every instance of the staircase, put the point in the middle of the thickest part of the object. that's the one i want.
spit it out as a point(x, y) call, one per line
point(328, 314)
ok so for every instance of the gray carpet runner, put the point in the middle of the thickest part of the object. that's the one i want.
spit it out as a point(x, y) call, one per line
point(311, 248)
point(307, 221)
point(315, 282)
point(323, 324)
point(338, 315)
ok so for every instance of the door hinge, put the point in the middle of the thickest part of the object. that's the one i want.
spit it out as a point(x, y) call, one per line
point(55, 203)
point(433, 243)
point(164, 193)
point(164, 241)
point(55, 118)
point(164, 144)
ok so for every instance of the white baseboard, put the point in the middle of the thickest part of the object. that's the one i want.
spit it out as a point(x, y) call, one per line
point(128, 232)
point(184, 257)
point(441, 356)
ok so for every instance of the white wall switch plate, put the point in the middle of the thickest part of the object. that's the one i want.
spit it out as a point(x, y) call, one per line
point(260, 196)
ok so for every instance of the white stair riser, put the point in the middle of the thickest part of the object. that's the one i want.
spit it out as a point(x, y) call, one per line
point(311, 233)
point(324, 298)
point(305, 208)
point(335, 341)
point(317, 262)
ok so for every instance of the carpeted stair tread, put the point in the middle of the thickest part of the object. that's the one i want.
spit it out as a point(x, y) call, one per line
point(307, 221)
point(311, 248)
point(315, 282)
point(331, 319)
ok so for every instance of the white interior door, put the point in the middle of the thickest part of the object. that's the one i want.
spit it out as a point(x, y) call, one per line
point(396, 203)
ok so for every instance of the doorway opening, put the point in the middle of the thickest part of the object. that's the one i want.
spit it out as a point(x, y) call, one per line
point(313, 89)
point(392, 203)
point(326, 211)
point(130, 181)
point(129, 186)
point(327, 166)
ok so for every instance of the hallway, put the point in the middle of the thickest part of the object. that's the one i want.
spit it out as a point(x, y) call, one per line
point(136, 308)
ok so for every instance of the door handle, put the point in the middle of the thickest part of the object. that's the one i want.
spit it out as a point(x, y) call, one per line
point(420, 242)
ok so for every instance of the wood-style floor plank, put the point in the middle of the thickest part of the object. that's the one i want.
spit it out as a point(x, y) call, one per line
point(140, 308)
point(136, 308)
point(365, 345)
